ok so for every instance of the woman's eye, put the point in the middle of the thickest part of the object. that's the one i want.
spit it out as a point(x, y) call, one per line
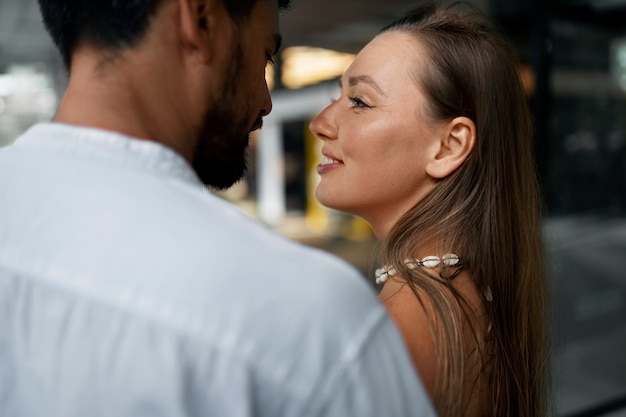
point(357, 102)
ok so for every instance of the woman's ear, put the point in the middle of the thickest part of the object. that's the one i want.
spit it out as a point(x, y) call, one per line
point(456, 144)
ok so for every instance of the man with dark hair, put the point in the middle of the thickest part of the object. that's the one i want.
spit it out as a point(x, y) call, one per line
point(127, 288)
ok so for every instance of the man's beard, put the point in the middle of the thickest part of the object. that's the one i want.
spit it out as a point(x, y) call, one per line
point(220, 158)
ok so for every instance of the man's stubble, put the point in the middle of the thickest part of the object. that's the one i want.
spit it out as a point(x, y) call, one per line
point(220, 158)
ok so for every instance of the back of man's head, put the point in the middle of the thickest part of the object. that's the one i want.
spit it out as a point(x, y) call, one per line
point(113, 24)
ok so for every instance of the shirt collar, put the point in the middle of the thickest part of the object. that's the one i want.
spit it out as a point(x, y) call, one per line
point(110, 147)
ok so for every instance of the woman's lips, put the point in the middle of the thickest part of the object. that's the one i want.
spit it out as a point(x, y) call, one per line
point(328, 164)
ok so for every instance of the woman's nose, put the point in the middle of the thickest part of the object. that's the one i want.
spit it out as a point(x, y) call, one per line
point(322, 125)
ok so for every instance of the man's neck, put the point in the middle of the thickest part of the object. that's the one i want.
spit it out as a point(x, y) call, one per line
point(124, 95)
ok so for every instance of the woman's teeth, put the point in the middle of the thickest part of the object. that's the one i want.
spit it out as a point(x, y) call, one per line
point(326, 160)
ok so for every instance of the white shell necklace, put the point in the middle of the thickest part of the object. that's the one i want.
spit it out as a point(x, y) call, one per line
point(449, 259)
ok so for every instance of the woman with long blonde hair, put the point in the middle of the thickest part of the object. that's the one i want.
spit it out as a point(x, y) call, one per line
point(431, 143)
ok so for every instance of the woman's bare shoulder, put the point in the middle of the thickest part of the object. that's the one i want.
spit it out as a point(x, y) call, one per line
point(410, 314)
point(413, 312)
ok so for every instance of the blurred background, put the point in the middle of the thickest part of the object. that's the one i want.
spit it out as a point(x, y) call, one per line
point(573, 56)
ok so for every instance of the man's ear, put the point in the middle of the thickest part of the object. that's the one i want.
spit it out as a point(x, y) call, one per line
point(200, 23)
point(454, 147)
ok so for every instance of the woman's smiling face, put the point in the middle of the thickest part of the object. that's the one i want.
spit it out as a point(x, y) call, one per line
point(378, 137)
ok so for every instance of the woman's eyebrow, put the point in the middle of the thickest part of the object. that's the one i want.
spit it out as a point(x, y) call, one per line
point(356, 79)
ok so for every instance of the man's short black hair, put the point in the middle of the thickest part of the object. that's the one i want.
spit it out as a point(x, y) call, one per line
point(112, 24)
point(240, 9)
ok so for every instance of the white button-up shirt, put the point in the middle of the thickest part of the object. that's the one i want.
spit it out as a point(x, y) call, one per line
point(128, 289)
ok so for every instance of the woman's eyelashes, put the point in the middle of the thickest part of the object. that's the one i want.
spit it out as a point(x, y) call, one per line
point(356, 102)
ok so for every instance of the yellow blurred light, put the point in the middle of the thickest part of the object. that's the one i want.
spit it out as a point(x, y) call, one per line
point(305, 65)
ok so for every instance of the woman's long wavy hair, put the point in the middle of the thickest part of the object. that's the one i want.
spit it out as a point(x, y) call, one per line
point(489, 212)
